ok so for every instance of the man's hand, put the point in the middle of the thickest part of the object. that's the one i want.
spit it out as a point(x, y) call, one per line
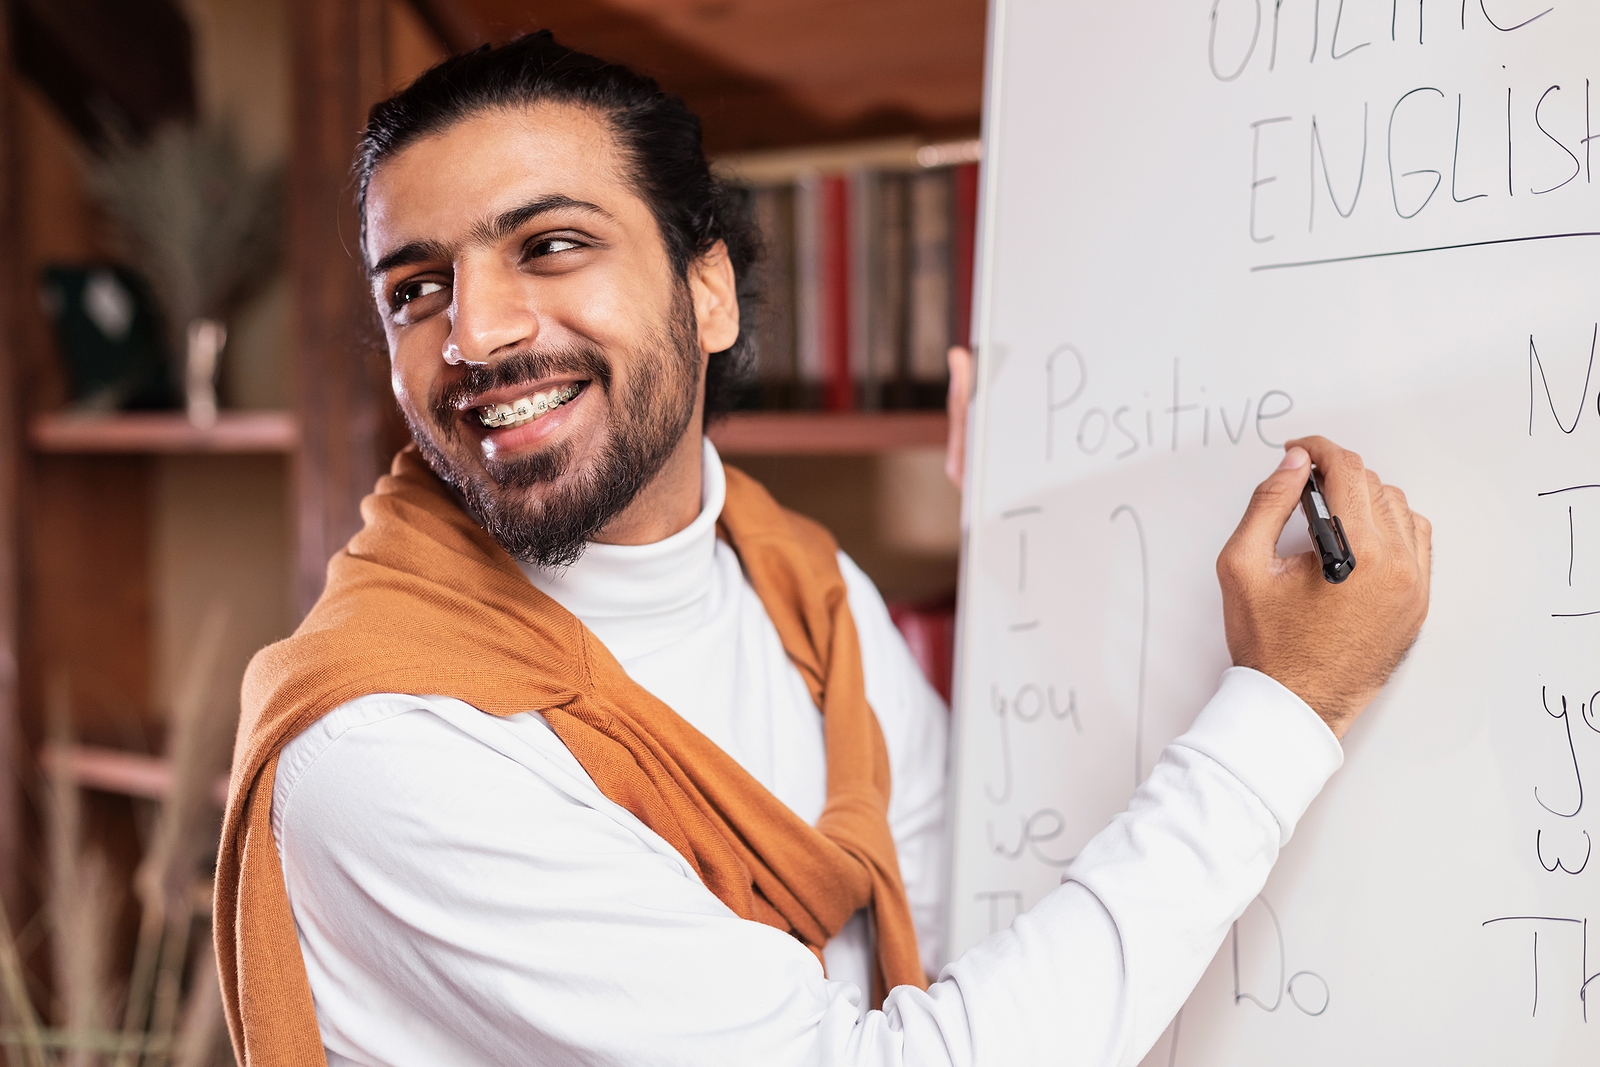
point(955, 405)
point(1332, 645)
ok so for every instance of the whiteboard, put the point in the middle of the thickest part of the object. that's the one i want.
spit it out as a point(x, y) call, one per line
point(1209, 226)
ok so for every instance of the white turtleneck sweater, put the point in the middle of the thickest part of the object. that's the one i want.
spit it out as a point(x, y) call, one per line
point(465, 894)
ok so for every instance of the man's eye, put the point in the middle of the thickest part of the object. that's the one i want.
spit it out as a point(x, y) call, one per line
point(416, 291)
point(550, 245)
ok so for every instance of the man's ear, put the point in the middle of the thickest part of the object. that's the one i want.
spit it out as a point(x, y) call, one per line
point(716, 300)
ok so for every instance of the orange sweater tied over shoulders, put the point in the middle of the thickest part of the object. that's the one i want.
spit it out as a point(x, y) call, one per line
point(422, 600)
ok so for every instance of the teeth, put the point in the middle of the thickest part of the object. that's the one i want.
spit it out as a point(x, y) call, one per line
point(525, 409)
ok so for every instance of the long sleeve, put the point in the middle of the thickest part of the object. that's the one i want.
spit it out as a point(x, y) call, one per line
point(1145, 905)
point(464, 895)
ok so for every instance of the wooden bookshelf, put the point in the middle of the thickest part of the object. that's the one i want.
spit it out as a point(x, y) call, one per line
point(825, 433)
point(163, 432)
point(777, 166)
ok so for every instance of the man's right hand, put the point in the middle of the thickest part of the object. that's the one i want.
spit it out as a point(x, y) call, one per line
point(1332, 645)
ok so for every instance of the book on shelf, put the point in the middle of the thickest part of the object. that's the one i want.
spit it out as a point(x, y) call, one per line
point(867, 279)
point(774, 213)
point(929, 630)
point(806, 297)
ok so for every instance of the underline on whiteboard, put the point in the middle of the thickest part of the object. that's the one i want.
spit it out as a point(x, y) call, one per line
point(1569, 489)
point(1576, 615)
point(1416, 251)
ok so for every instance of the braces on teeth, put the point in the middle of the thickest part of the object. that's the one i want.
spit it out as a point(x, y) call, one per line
point(525, 409)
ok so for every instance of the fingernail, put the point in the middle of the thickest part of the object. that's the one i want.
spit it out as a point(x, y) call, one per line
point(1295, 457)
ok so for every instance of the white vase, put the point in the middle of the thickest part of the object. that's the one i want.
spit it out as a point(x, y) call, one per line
point(206, 338)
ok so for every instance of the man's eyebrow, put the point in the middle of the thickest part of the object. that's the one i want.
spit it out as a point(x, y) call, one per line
point(409, 253)
point(488, 232)
point(508, 222)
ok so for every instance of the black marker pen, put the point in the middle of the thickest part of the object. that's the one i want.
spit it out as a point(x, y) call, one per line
point(1327, 532)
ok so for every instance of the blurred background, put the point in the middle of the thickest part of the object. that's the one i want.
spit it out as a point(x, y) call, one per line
point(194, 397)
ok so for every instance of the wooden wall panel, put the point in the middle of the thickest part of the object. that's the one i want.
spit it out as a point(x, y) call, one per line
point(348, 417)
point(108, 65)
point(11, 751)
point(82, 547)
point(87, 596)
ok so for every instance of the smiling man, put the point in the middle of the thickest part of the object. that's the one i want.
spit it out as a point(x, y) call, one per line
point(546, 349)
point(590, 753)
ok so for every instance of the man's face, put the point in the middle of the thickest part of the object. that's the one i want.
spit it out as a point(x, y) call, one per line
point(544, 352)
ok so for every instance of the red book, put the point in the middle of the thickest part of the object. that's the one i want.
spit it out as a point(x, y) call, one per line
point(964, 250)
point(838, 392)
point(930, 633)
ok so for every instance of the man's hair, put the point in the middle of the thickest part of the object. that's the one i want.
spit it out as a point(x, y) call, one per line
point(658, 134)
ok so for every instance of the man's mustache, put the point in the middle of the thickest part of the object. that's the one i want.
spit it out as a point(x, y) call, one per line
point(519, 368)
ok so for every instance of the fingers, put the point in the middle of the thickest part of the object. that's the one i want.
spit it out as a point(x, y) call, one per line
point(1373, 513)
point(1397, 499)
point(1270, 507)
point(1390, 514)
point(1413, 530)
point(1401, 530)
point(1345, 482)
point(1424, 534)
point(1397, 517)
point(960, 360)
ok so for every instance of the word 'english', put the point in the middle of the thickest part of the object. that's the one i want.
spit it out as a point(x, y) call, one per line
point(1124, 429)
point(1428, 146)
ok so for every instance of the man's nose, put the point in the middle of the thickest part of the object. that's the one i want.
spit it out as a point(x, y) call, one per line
point(491, 311)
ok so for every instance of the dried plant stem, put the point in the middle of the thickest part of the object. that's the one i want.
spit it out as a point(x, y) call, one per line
point(146, 958)
point(203, 1020)
point(82, 902)
point(198, 741)
point(204, 228)
point(87, 1040)
point(16, 993)
point(158, 980)
point(169, 977)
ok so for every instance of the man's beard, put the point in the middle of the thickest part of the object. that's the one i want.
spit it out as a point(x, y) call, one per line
point(646, 423)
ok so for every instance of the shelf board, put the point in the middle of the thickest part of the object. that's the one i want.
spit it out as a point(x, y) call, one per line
point(110, 770)
point(820, 433)
point(741, 433)
point(163, 432)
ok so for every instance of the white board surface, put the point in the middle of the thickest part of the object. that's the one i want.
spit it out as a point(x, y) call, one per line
point(1212, 226)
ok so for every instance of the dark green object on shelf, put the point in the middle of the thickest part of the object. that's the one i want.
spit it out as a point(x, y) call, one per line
point(110, 338)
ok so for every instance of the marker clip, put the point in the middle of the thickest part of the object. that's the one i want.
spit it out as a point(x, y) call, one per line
point(1327, 532)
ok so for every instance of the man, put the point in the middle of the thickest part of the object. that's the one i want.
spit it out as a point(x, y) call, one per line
point(543, 778)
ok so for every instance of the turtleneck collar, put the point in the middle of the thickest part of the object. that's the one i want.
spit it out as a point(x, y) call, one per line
point(638, 598)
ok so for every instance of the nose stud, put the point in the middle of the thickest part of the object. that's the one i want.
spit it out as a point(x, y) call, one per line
point(452, 356)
